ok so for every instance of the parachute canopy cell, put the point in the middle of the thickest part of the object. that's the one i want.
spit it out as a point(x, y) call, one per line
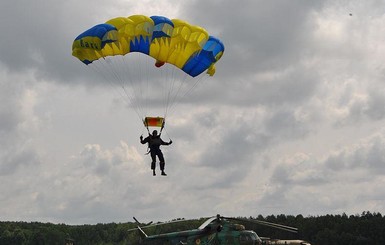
point(185, 46)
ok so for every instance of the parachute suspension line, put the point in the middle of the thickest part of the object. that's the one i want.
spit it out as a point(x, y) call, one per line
point(127, 78)
point(146, 82)
point(175, 83)
point(168, 87)
point(182, 85)
point(195, 84)
point(130, 77)
point(144, 130)
point(171, 90)
point(108, 73)
point(173, 94)
point(121, 82)
point(164, 129)
point(195, 81)
point(186, 86)
point(120, 73)
point(141, 84)
point(130, 69)
point(139, 70)
point(145, 68)
point(116, 66)
point(159, 86)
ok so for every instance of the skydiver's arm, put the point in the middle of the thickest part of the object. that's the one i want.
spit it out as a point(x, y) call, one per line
point(166, 143)
point(143, 141)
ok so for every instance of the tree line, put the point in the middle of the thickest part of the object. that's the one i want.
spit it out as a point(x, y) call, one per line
point(364, 228)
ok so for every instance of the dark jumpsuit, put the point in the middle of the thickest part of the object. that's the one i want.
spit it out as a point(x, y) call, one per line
point(154, 143)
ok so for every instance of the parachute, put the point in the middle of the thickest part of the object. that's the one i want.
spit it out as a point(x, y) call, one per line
point(173, 43)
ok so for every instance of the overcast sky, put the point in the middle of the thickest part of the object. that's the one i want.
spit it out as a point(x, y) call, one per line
point(291, 123)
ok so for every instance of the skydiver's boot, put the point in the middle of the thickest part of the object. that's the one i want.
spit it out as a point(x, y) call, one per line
point(162, 168)
point(153, 167)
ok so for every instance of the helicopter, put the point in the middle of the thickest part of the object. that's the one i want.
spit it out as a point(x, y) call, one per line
point(216, 230)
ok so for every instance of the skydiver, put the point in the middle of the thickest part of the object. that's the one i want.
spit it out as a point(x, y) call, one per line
point(154, 142)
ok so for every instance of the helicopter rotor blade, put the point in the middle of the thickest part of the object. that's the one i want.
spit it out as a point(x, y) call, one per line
point(265, 223)
point(136, 220)
point(151, 224)
point(140, 224)
point(279, 226)
point(218, 221)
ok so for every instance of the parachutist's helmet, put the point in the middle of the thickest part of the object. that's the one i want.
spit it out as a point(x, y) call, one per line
point(154, 133)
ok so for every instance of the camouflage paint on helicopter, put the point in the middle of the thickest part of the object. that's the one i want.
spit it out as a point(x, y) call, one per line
point(216, 230)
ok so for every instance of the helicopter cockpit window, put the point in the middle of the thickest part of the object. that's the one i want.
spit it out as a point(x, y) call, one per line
point(244, 237)
point(254, 237)
point(249, 238)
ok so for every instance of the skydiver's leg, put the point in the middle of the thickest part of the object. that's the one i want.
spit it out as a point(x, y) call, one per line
point(161, 162)
point(153, 163)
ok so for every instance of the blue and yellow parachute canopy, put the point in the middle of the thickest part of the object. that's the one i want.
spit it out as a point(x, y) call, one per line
point(185, 46)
